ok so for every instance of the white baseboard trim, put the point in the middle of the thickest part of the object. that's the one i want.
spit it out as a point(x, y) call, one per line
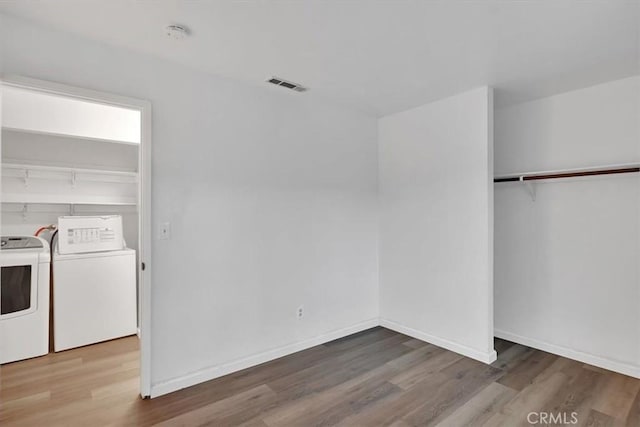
point(601, 362)
point(213, 372)
point(488, 357)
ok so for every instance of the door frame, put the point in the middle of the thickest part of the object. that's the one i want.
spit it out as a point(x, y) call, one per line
point(144, 199)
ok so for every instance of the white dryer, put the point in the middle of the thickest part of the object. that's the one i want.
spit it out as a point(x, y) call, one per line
point(24, 298)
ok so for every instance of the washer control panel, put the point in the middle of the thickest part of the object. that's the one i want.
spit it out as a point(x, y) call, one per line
point(81, 234)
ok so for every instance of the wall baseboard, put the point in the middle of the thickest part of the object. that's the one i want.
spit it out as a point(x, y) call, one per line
point(213, 372)
point(487, 357)
point(601, 362)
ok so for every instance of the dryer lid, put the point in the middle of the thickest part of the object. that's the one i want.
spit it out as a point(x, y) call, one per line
point(20, 242)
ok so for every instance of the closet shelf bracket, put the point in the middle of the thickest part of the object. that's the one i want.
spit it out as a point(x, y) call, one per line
point(530, 186)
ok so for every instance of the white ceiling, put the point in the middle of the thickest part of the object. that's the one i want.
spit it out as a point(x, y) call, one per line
point(377, 56)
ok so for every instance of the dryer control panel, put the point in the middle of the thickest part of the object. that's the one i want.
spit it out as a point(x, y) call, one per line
point(82, 234)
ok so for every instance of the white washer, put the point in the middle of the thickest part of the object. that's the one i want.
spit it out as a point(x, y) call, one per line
point(94, 297)
point(24, 298)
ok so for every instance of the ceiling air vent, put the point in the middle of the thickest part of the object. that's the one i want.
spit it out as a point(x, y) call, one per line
point(289, 85)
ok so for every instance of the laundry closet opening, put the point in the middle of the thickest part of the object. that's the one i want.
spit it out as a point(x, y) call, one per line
point(74, 225)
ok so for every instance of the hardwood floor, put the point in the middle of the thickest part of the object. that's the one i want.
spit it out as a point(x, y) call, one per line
point(377, 377)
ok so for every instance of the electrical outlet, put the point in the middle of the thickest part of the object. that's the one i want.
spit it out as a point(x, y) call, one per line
point(300, 312)
point(165, 231)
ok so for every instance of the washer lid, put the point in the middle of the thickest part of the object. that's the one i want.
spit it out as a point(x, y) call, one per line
point(20, 242)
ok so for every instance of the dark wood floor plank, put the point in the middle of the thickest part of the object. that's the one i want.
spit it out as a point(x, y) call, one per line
point(221, 412)
point(576, 395)
point(500, 345)
point(412, 376)
point(393, 410)
point(414, 343)
point(523, 374)
point(466, 378)
point(316, 403)
point(361, 338)
point(618, 396)
point(633, 418)
point(512, 357)
point(333, 409)
point(598, 419)
point(532, 398)
point(481, 407)
point(319, 402)
point(358, 359)
point(415, 356)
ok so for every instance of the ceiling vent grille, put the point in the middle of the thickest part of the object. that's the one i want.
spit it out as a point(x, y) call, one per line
point(289, 85)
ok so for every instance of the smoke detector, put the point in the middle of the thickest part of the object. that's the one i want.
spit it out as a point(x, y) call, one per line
point(177, 32)
point(284, 83)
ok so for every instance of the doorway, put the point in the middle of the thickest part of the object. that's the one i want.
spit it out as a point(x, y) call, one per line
point(71, 153)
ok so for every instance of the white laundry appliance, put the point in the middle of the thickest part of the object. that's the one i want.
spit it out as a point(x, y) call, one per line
point(24, 298)
point(94, 282)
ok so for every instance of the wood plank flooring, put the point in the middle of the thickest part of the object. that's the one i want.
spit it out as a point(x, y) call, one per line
point(377, 377)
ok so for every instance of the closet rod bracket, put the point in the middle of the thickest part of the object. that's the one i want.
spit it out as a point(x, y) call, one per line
point(530, 187)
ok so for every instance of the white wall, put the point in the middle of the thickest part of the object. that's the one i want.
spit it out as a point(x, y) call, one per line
point(436, 236)
point(589, 127)
point(272, 199)
point(567, 265)
point(33, 148)
point(43, 112)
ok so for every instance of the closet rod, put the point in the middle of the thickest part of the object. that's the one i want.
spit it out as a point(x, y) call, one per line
point(566, 174)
